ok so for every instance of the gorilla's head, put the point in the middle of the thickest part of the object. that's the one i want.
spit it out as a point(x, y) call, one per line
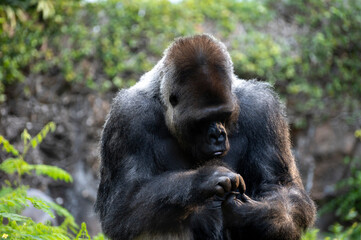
point(197, 95)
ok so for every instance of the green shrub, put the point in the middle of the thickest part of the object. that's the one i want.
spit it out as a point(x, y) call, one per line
point(14, 198)
point(330, 47)
point(310, 235)
point(108, 44)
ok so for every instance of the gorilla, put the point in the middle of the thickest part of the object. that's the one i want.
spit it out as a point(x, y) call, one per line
point(193, 152)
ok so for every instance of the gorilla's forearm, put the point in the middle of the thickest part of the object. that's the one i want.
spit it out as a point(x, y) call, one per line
point(158, 204)
point(164, 202)
point(282, 214)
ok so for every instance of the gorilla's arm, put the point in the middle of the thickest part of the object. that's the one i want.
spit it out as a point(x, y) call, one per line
point(277, 206)
point(279, 215)
point(136, 195)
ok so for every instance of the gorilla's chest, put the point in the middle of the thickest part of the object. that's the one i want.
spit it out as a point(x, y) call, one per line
point(170, 156)
point(236, 154)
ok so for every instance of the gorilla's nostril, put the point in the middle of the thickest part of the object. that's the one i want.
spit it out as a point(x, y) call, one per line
point(221, 139)
point(216, 137)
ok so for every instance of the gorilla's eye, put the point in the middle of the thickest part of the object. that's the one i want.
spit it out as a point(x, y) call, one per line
point(173, 100)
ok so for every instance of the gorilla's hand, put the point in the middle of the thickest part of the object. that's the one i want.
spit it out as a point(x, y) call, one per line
point(217, 180)
point(234, 206)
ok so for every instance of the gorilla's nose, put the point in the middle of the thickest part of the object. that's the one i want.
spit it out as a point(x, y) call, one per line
point(216, 139)
point(216, 135)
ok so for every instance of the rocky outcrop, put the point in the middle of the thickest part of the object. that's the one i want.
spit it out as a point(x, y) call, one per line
point(320, 151)
point(79, 115)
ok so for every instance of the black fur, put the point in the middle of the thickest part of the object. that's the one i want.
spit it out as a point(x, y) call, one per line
point(155, 185)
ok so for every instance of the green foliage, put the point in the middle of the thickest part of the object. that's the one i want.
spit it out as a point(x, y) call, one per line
point(340, 232)
point(83, 233)
point(227, 15)
point(257, 55)
point(136, 36)
point(108, 44)
point(14, 198)
point(25, 28)
point(20, 166)
point(8, 147)
point(330, 46)
point(337, 232)
point(335, 45)
point(358, 134)
point(310, 235)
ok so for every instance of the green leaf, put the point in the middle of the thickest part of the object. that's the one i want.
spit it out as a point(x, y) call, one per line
point(25, 136)
point(33, 143)
point(12, 165)
point(45, 131)
point(8, 147)
point(13, 200)
point(52, 126)
point(39, 138)
point(46, 7)
point(83, 233)
point(41, 205)
point(358, 133)
point(14, 217)
point(54, 172)
point(69, 221)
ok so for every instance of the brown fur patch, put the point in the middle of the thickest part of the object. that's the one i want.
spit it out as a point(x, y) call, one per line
point(198, 50)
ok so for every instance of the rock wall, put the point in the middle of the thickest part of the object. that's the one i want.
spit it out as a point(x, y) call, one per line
point(79, 114)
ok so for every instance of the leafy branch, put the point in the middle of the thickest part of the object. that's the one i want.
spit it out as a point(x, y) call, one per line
point(18, 165)
point(14, 198)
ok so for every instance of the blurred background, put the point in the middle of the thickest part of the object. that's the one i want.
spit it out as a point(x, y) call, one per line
point(63, 61)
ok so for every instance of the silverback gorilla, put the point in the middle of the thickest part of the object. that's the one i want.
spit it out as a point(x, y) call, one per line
point(193, 152)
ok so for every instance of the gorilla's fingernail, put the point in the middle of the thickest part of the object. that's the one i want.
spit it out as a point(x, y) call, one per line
point(235, 193)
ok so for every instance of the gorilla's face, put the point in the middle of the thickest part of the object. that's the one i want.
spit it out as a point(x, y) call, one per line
point(196, 90)
point(201, 110)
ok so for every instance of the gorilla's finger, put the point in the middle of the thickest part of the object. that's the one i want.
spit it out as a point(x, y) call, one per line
point(225, 182)
point(245, 198)
point(242, 185)
point(235, 181)
point(231, 201)
point(220, 191)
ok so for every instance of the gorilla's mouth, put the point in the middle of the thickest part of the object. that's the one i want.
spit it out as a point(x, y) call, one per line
point(218, 154)
point(209, 155)
point(212, 151)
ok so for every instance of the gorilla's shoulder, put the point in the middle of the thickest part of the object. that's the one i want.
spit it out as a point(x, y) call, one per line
point(258, 101)
point(135, 108)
